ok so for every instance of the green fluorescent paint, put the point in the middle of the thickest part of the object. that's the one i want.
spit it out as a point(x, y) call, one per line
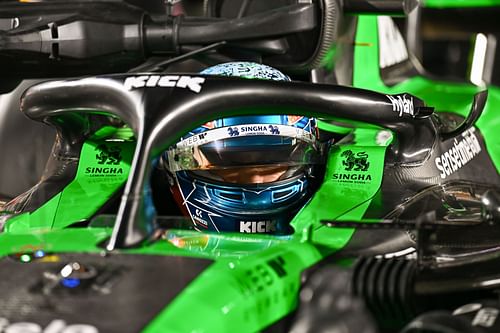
point(444, 96)
point(254, 279)
point(327, 126)
point(40, 219)
point(71, 240)
point(459, 3)
point(244, 291)
point(345, 193)
point(98, 177)
point(110, 132)
point(246, 302)
point(248, 294)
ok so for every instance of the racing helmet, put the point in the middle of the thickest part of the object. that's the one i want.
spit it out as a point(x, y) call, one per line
point(247, 174)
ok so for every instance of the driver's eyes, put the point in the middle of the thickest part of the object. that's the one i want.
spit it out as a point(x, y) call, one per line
point(232, 196)
point(251, 175)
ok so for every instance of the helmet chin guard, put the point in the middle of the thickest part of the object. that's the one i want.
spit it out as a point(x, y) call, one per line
point(245, 208)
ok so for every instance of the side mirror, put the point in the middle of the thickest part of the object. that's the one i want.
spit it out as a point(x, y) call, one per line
point(491, 205)
point(477, 108)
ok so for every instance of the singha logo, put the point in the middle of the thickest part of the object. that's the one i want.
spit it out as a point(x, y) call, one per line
point(357, 161)
point(274, 130)
point(233, 131)
point(108, 155)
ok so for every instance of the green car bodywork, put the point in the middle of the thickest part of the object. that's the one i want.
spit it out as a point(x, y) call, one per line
point(444, 96)
point(459, 3)
point(261, 274)
point(254, 280)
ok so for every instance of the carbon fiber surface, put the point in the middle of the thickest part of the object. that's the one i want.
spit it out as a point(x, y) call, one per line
point(127, 292)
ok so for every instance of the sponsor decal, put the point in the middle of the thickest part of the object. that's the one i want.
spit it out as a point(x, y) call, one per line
point(14, 22)
point(258, 226)
point(357, 161)
point(402, 105)
point(461, 153)
point(104, 171)
point(260, 276)
point(247, 130)
point(106, 156)
point(274, 130)
point(278, 266)
point(193, 140)
point(354, 162)
point(253, 130)
point(353, 177)
point(198, 218)
point(392, 47)
point(485, 317)
point(192, 83)
point(55, 326)
point(233, 131)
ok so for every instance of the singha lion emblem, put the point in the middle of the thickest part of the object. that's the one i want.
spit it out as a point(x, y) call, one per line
point(111, 156)
point(357, 161)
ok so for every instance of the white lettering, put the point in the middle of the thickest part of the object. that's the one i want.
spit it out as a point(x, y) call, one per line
point(258, 226)
point(184, 81)
point(402, 104)
point(449, 158)
point(245, 226)
point(168, 81)
point(485, 317)
point(254, 128)
point(23, 327)
point(193, 83)
point(440, 167)
point(135, 82)
point(80, 328)
point(461, 153)
point(199, 220)
point(392, 47)
point(55, 326)
point(153, 81)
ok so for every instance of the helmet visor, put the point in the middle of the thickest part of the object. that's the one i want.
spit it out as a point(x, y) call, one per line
point(222, 149)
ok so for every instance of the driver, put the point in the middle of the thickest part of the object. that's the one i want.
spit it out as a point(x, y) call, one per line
point(246, 174)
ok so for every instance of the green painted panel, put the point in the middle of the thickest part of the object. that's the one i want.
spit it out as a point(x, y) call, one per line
point(40, 219)
point(245, 295)
point(71, 240)
point(459, 3)
point(445, 96)
point(353, 176)
point(102, 170)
